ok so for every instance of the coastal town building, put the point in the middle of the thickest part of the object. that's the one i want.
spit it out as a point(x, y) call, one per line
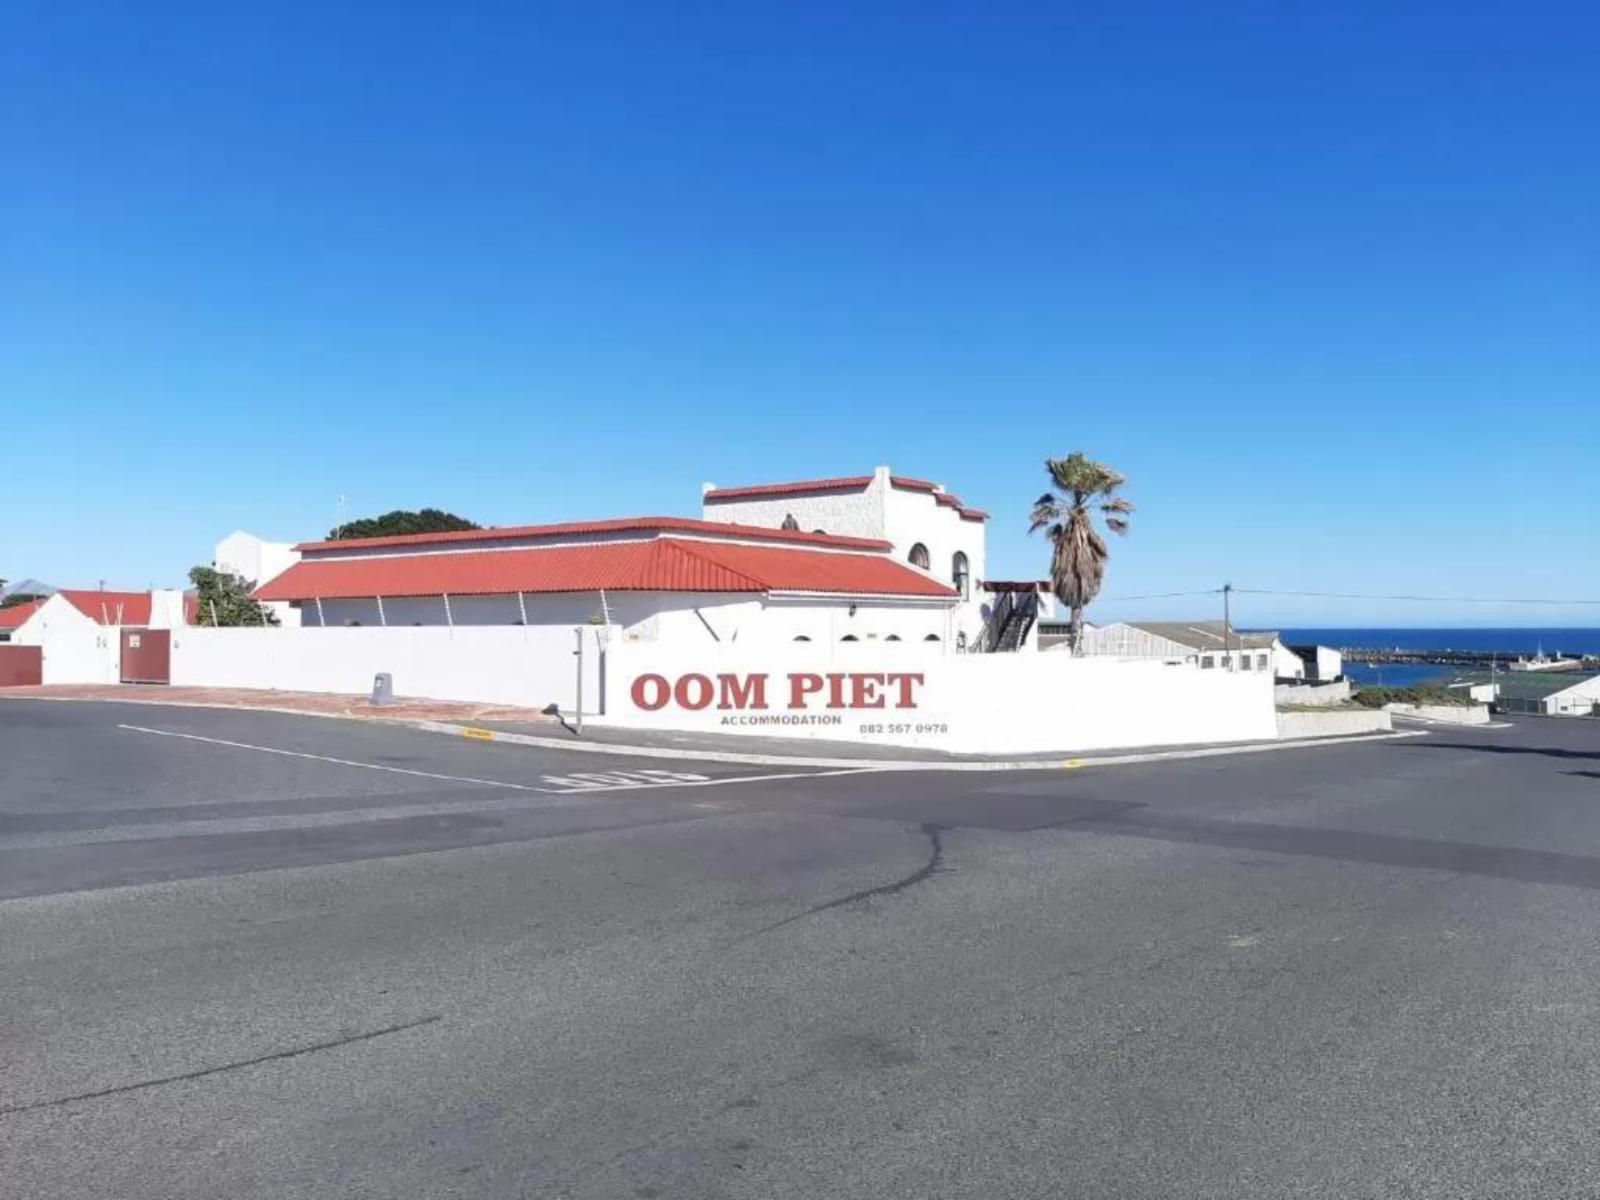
point(1209, 645)
point(931, 530)
point(257, 560)
point(87, 636)
point(1547, 693)
point(648, 579)
point(878, 557)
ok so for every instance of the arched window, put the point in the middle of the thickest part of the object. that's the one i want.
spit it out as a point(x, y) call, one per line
point(790, 525)
point(960, 573)
point(919, 556)
point(932, 637)
point(893, 637)
point(800, 637)
point(849, 637)
point(821, 531)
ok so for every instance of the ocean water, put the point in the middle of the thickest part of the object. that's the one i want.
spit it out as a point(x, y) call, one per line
point(1512, 641)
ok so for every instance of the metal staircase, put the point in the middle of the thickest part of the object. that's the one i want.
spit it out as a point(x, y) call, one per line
point(1009, 623)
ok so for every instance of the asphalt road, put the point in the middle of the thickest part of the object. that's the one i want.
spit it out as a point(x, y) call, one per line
point(446, 969)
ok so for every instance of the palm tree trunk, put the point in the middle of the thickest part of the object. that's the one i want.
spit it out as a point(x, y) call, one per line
point(1075, 630)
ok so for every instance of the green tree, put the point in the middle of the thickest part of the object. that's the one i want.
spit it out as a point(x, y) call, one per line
point(402, 521)
point(1080, 487)
point(225, 600)
point(16, 598)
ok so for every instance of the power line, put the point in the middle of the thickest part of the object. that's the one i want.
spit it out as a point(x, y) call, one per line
point(1424, 599)
point(1162, 596)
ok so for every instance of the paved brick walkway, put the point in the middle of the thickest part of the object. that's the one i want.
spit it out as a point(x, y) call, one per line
point(301, 702)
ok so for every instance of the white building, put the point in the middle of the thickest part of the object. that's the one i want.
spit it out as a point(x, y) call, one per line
point(1550, 694)
point(646, 579)
point(1318, 664)
point(76, 636)
point(257, 561)
point(926, 527)
point(1208, 644)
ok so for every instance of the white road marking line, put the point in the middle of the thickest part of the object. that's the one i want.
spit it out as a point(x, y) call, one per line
point(714, 782)
point(1092, 759)
point(343, 762)
point(683, 779)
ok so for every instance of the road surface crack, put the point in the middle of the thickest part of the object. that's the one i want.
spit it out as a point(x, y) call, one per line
point(934, 834)
point(233, 1066)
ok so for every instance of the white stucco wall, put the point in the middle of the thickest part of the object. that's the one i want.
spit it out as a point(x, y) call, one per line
point(76, 654)
point(256, 560)
point(57, 616)
point(904, 517)
point(998, 703)
point(529, 667)
point(857, 512)
point(1286, 664)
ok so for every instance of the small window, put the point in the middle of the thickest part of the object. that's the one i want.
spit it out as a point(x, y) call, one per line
point(823, 532)
point(932, 637)
point(801, 638)
point(1261, 662)
point(1207, 663)
point(893, 637)
point(849, 637)
point(919, 556)
point(959, 574)
point(1244, 662)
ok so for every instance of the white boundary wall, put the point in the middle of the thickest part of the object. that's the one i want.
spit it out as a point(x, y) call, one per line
point(905, 696)
point(529, 666)
point(91, 655)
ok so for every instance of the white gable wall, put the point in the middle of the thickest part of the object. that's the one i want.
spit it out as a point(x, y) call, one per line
point(855, 512)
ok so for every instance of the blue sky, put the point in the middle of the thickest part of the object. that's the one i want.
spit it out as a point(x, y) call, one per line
point(1322, 280)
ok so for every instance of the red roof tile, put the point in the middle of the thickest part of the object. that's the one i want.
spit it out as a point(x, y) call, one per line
point(621, 525)
point(111, 608)
point(799, 487)
point(11, 618)
point(664, 564)
point(974, 514)
point(912, 485)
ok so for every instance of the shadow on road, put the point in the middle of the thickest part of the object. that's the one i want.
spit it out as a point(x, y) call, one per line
point(1500, 748)
point(1428, 854)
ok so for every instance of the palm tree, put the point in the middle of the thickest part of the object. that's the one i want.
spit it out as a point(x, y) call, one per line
point(1079, 487)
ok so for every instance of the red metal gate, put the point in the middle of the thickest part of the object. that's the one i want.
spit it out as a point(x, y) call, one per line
point(21, 665)
point(147, 656)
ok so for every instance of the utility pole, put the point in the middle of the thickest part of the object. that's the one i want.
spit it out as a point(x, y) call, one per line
point(1227, 624)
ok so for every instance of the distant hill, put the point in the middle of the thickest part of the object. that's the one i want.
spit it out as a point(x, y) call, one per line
point(26, 587)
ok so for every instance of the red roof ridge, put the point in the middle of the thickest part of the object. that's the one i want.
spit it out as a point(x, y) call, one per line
point(911, 484)
point(657, 565)
point(105, 607)
point(796, 487)
point(726, 529)
point(16, 615)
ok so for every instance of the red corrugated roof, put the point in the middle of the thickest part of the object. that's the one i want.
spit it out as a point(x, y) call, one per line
point(111, 608)
point(661, 565)
point(620, 525)
point(14, 616)
point(799, 487)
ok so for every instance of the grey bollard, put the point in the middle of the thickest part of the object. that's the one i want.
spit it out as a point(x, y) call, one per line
point(382, 688)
